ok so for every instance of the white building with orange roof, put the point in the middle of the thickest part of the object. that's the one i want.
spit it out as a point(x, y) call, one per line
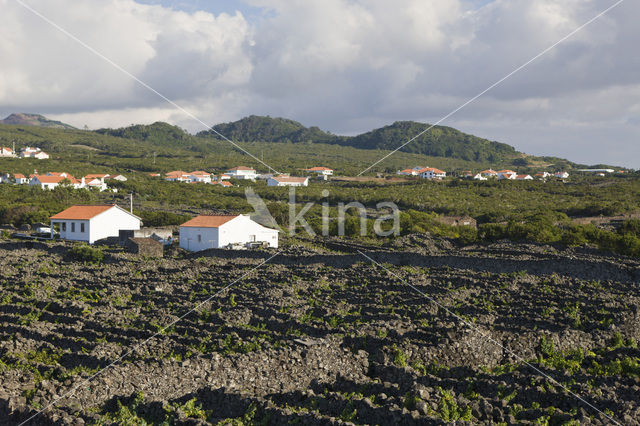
point(208, 232)
point(431, 173)
point(93, 223)
point(177, 176)
point(51, 182)
point(200, 177)
point(489, 173)
point(30, 152)
point(20, 179)
point(524, 177)
point(6, 152)
point(322, 171)
point(507, 174)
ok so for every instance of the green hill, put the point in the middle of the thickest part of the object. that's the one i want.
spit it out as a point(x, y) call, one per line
point(158, 133)
point(440, 141)
point(36, 120)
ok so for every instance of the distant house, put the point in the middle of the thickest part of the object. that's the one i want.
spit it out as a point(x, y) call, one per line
point(20, 179)
point(524, 177)
point(224, 183)
point(507, 174)
point(93, 223)
point(288, 181)
point(207, 232)
point(119, 178)
point(6, 152)
point(200, 177)
point(542, 175)
point(458, 221)
point(561, 175)
point(225, 176)
point(489, 173)
point(52, 182)
point(177, 176)
point(431, 173)
point(95, 183)
point(411, 172)
point(323, 172)
point(30, 152)
point(480, 176)
point(242, 172)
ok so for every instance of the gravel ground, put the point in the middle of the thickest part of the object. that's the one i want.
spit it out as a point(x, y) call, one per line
point(519, 334)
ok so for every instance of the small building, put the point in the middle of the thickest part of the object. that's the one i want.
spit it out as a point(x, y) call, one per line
point(52, 182)
point(480, 176)
point(119, 178)
point(524, 177)
point(223, 183)
point(93, 223)
point(177, 176)
point(145, 247)
point(542, 175)
point(507, 174)
point(561, 175)
point(6, 152)
point(323, 172)
point(30, 152)
point(242, 172)
point(207, 232)
point(288, 181)
point(200, 177)
point(431, 173)
point(20, 179)
point(489, 173)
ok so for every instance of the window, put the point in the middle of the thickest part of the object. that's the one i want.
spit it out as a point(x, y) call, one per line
point(82, 227)
point(73, 227)
point(199, 238)
point(64, 226)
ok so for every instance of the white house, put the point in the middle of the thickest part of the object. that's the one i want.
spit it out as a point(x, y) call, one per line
point(411, 172)
point(288, 181)
point(21, 179)
point(206, 232)
point(51, 182)
point(177, 176)
point(479, 176)
point(507, 174)
point(93, 223)
point(242, 172)
point(524, 177)
point(200, 176)
point(542, 175)
point(119, 178)
point(561, 175)
point(321, 171)
point(489, 173)
point(6, 152)
point(431, 173)
point(29, 152)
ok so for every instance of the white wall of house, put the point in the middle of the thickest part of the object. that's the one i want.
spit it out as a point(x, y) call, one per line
point(275, 182)
point(74, 230)
point(198, 239)
point(240, 230)
point(242, 174)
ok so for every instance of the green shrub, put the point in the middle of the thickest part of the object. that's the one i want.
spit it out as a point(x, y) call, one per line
point(85, 253)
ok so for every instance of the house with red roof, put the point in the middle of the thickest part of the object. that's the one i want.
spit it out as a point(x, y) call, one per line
point(6, 152)
point(524, 177)
point(20, 179)
point(93, 223)
point(431, 173)
point(207, 232)
point(51, 182)
point(321, 171)
point(489, 173)
point(507, 174)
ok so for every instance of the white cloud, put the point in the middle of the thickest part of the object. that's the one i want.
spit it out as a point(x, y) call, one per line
point(345, 65)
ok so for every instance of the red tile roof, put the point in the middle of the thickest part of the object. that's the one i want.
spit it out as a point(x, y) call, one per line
point(98, 176)
point(54, 179)
point(318, 169)
point(208, 221)
point(82, 212)
point(19, 176)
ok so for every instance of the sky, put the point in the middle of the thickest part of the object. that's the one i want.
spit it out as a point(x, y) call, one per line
point(347, 66)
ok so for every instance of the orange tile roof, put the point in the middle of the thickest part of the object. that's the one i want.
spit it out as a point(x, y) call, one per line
point(208, 221)
point(177, 173)
point(200, 173)
point(82, 212)
point(54, 179)
point(19, 176)
point(98, 176)
point(318, 169)
point(225, 183)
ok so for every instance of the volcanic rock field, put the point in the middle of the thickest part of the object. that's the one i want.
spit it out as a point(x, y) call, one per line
point(419, 332)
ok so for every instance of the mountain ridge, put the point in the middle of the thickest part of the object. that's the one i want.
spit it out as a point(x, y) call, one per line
point(37, 120)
